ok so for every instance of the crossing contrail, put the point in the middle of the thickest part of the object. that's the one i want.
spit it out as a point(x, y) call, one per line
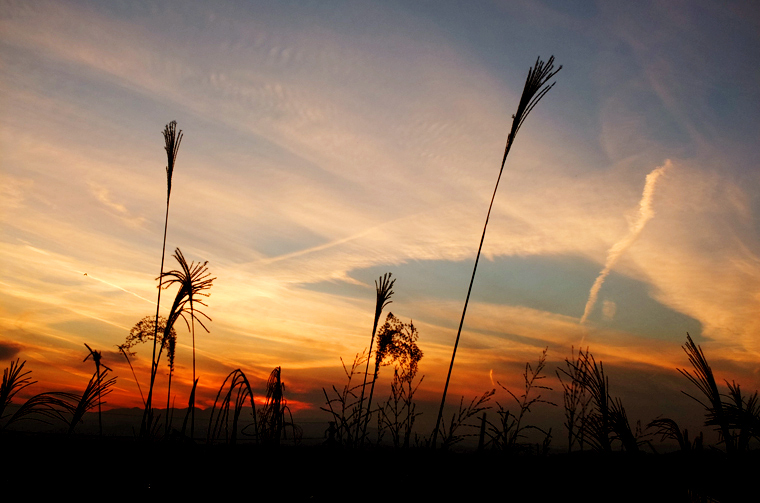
point(645, 214)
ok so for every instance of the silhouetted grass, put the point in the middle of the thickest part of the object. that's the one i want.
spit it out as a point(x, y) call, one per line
point(463, 419)
point(16, 379)
point(704, 380)
point(272, 416)
point(172, 140)
point(238, 391)
point(193, 280)
point(575, 399)
point(737, 420)
point(535, 89)
point(668, 429)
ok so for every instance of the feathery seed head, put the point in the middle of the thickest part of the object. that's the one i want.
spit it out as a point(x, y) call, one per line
point(535, 89)
point(173, 138)
point(384, 290)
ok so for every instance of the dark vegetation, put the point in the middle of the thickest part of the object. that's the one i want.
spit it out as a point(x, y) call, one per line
point(606, 458)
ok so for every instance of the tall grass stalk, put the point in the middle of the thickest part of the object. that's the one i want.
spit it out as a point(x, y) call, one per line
point(172, 140)
point(170, 352)
point(535, 89)
point(383, 290)
point(96, 357)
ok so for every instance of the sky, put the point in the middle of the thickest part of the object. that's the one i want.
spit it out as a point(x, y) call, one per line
point(327, 143)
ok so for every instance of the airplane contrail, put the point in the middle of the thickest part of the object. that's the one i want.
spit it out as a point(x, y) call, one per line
point(645, 214)
point(112, 285)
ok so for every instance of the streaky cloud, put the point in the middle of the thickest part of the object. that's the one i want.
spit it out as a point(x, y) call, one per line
point(645, 214)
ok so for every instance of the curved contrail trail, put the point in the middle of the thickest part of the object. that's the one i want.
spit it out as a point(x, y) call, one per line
point(645, 214)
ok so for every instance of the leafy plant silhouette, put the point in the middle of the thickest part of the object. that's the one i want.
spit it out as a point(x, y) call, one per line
point(506, 434)
point(535, 89)
point(344, 408)
point(452, 435)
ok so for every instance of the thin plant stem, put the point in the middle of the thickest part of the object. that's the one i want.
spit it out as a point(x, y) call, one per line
point(96, 356)
point(123, 351)
point(192, 409)
point(532, 93)
point(172, 141)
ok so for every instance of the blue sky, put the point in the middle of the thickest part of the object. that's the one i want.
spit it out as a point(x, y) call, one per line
point(327, 143)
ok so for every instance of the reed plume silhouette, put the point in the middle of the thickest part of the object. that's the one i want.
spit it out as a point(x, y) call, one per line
point(738, 418)
point(144, 330)
point(96, 357)
point(172, 140)
point(396, 343)
point(238, 391)
point(384, 291)
point(535, 89)
point(193, 279)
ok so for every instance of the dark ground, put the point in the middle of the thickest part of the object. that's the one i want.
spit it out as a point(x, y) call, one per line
point(88, 467)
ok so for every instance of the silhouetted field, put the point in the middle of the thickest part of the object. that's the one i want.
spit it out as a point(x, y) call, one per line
point(115, 466)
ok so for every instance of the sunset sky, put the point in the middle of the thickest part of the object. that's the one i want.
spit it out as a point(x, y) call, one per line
point(328, 142)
